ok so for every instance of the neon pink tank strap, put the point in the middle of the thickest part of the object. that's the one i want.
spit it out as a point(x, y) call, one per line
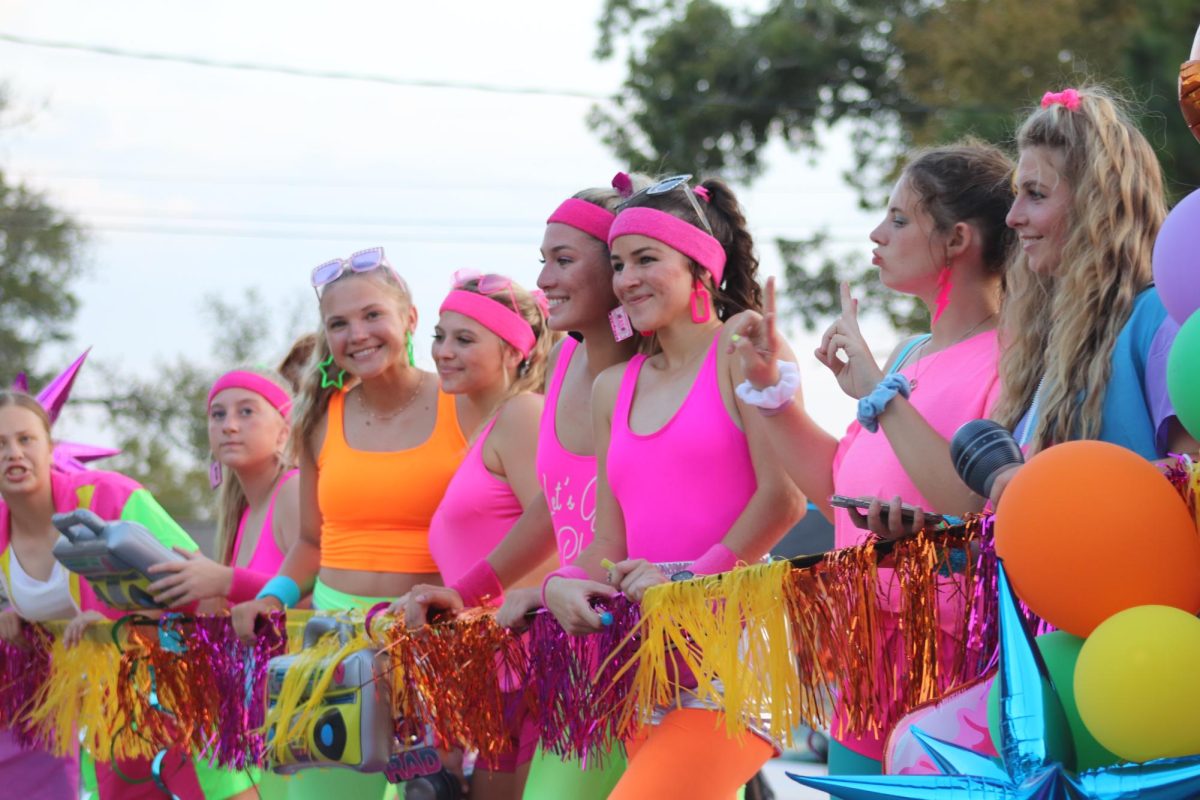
point(561, 366)
point(620, 420)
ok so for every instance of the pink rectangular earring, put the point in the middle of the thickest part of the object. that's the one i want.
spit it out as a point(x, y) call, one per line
point(214, 474)
point(618, 320)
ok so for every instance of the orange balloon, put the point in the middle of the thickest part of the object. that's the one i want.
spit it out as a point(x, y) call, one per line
point(1087, 529)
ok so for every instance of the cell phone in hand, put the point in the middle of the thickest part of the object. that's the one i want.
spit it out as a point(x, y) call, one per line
point(907, 513)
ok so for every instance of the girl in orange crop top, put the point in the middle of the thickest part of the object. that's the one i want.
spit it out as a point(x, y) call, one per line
point(376, 442)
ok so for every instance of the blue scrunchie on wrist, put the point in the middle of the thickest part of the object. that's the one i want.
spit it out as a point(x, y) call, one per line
point(871, 406)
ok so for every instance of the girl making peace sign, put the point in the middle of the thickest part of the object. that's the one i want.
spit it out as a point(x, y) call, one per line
point(944, 241)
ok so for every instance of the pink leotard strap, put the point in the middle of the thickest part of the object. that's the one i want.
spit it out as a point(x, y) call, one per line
point(267, 557)
point(474, 516)
point(568, 479)
point(682, 487)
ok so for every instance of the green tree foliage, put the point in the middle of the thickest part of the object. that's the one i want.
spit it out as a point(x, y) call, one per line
point(160, 422)
point(708, 86)
point(40, 250)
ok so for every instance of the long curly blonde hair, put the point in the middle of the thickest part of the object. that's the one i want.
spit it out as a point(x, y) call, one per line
point(1060, 329)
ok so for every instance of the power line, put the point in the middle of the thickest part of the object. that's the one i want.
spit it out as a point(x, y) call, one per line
point(296, 72)
point(763, 234)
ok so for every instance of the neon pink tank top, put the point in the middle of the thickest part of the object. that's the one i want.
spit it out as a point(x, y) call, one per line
point(682, 487)
point(568, 479)
point(474, 516)
point(267, 555)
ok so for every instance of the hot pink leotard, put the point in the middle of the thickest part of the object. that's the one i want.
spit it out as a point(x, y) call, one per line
point(474, 516)
point(568, 479)
point(682, 487)
point(267, 556)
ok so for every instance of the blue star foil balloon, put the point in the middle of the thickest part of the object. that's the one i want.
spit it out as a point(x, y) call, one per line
point(1031, 766)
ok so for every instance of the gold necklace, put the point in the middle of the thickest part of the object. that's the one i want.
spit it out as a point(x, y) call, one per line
point(912, 383)
point(385, 417)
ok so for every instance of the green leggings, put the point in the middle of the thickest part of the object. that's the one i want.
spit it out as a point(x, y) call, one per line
point(552, 778)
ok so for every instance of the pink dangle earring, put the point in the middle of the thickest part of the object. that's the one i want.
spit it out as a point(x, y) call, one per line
point(943, 296)
point(618, 320)
point(701, 304)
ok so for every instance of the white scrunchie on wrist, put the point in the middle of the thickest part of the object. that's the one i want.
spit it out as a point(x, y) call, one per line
point(774, 397)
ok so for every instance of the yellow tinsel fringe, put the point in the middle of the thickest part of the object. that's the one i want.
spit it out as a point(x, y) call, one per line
point(732, 633)
point(296, 705)
point(77, 697)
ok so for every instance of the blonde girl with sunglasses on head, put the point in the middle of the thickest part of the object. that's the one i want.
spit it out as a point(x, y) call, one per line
point(377, 443)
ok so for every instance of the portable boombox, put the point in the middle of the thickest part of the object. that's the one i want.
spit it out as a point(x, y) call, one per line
point(353, 725)
point(112, 556)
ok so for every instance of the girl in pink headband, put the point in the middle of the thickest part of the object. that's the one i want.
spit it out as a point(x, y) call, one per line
point(577, 280)
point(490, 347)
point(248, 427)
point(686, 481)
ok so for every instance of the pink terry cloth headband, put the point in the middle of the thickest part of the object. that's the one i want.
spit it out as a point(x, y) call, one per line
point(250, 381)
point(493, 315)
point(669, 229)
point(587, 217)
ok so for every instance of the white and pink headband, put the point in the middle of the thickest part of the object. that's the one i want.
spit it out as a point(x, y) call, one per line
point(253, 382)
point(493, 315)
point(669, 229)
point(584, 216)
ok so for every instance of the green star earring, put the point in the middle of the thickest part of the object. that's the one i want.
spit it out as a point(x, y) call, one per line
point(326, 381)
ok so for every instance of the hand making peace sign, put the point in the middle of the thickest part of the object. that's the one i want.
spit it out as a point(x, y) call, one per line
point(756, 344)
point(858, 373)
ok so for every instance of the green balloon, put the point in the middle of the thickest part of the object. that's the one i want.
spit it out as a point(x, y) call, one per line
point(1183, 374)
point(1060, 651)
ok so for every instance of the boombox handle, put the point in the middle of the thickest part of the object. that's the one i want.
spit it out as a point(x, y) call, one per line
point(317, 627)
point(79, 525)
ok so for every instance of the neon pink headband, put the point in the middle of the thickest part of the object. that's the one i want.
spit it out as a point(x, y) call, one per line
point(669, 229)
point(493, 315)
point(584, 216)
point(252, 382)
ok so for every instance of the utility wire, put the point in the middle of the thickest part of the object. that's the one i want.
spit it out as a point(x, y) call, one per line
point(297, 72)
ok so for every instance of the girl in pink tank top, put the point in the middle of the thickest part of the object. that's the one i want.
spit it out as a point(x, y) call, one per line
point(685, 476)
point(248, 428)
point(943, 241)
point(490, 345)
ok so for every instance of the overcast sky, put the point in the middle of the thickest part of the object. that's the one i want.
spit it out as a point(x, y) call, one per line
point(197, 181)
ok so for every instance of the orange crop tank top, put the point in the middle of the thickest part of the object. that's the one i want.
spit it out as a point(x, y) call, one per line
point(376, 506)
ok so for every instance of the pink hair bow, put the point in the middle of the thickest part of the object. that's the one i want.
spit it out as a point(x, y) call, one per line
point(702, 193)
point(1067, 97)
point(543, 303)
point(623, 184)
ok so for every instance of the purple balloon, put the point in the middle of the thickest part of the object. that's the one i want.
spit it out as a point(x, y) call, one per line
point(1177, 259)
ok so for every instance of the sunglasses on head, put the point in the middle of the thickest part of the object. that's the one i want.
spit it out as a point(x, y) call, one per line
point(668, 185)
point(362, 261)
point(486, 284)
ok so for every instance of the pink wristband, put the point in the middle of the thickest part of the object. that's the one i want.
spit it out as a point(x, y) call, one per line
point(571, 572)
point(717, 558)
point(480, 586)
point(246, 584)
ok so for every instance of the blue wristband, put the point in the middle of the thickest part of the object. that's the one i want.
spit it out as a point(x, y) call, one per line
point(871, 406)
point(283, 589)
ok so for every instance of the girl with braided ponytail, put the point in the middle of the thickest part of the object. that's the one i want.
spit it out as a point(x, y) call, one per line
point(684, 269)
